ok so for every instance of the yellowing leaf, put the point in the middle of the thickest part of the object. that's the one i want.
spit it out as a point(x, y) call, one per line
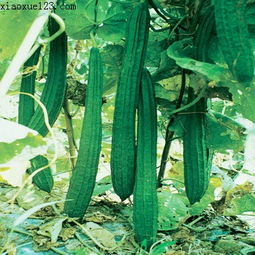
point(3, 169)
point(52, 228)
point(239, 191)
point(240, 205)
point(177, 171)
point(215, 182)
point(104, 236)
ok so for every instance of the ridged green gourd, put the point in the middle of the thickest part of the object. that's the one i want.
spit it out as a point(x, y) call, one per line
point(53, 93)
point(83, 179)
point(233, 35)
point(204, 33)
point(123, 132)
point(197, 157)
point(43, 180)
point(145, 213)
point(26, 103)
point(52, 97)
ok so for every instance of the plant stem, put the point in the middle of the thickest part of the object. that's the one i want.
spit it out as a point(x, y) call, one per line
point(200, 95)
point(84, 243)
point(169, 134)
point(70, 132)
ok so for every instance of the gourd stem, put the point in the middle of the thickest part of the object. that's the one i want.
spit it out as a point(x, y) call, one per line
point(70, 132)
point(169, 134)
point(200, 95)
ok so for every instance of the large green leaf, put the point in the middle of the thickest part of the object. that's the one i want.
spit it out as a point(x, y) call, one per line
point(172, 210)
point(78, 24)
point(13, 22)
point(224, 133)
point(18, 141)
point(113, 26)
point(240, 205)
point(156, 45)
point(107, 17)
point(243, 98)
point(166, 68)
point(181, 52)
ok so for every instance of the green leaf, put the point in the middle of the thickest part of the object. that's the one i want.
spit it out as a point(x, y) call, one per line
point(18, 141)
point(114, 25)
point(165, 94)
point(13, 22)
point(82, 251)
point(107, 17)
point(181, 52)
point(167, 67)
point(240, 205)
point(29, 212)
point(156, 45)
point(243, 98)
point(78, 24)
point(101, 189)
point(10, 150)
point(223, 133)
point(102, 185)
point(172, 210)
point(199, 207)
point(112, 32)
point(162, 248)
point(92, 7)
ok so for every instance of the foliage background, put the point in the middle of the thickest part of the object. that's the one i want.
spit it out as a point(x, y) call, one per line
point(231, 190)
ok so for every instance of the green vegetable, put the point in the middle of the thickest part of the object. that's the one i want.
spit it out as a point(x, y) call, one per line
point(26, 103)
point(233, 35)
point(225, 121)
point(224, 133)
point(196, 155)
point(123, 136)
point(82, 182)
point(43, 180)
point(145, 190)
point(52, 97)
point(55, 87)
point(204, 33)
